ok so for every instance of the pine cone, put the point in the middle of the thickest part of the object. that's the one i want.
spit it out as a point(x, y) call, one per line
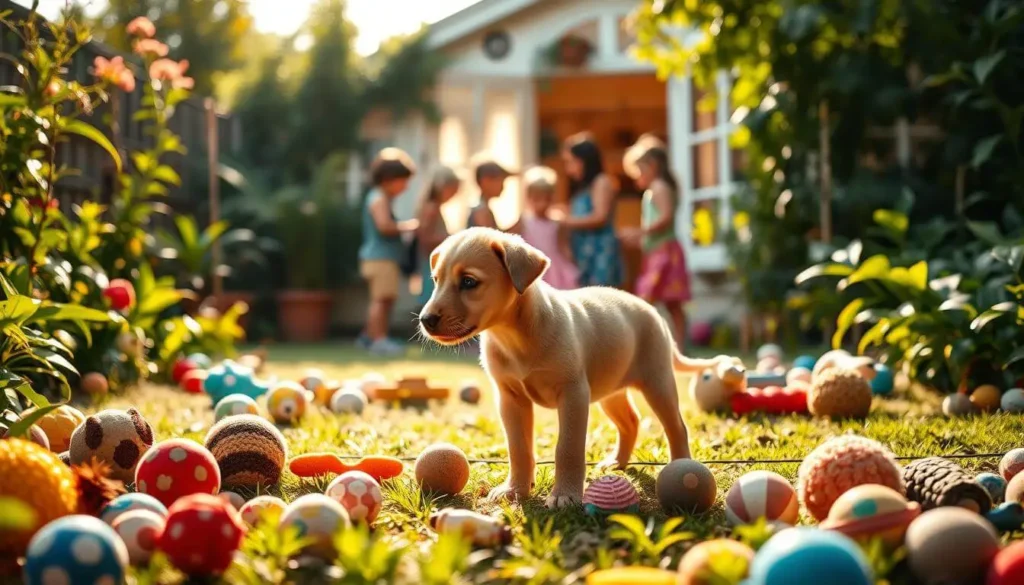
point(935, 482)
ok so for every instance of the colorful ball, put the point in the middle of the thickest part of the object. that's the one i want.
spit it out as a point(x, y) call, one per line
point(257, 507)
point(761, 494)
point(1012, 463)
point(233, 498)
point(951, 545)
point(470, 393)
point(35, 477)
point(34, 434)
point(869, 511)
point(318, 518)
point(808, 556)
point(348, 401)
point(686, 485)
point(286, 403)
point(201, 360)
point(769, 350)
point(180, 368)
point(249, 450)
point(698, 565)
point(839, 393)
point(840, 464)
point(116, 437)
point(232, 378)
point(986, 398)
point(994, 484)
point(1012, 401)
point(234, 405)
point(95, 384)
point(370, 382)
point(632, 576)
point(193, 381)
point(58, 424)
point(611, 494)
point(1008, 566)
point(130, 503)
point(805, 361)
point(798, 375)
point(202, 534)
point(1015, 489)
point(139, 529)
point(442, 468)
point(358, 493)
point(957, 405)
point(884, 381)
point(313, 380)
point(177, 468)
point(75, 550)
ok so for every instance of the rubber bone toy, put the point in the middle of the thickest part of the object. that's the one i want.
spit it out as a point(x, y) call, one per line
point(315, 464)
point(730, 387)
point(479, 529)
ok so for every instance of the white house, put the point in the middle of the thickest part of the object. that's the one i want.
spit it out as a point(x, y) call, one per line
point(515, 88)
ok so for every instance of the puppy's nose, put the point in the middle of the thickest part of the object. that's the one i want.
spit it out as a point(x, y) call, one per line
point(430, 320)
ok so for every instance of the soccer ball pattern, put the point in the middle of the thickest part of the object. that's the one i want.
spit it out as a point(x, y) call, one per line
point(358, 493)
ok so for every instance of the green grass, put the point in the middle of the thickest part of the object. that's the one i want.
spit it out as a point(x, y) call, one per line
point(553, 546)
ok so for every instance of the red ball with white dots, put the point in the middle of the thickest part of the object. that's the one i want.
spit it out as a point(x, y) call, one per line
point(192, 381)
point(120, 293)
point(358, 493)
point(202, 534)
point(182, 367)
point(176, 468)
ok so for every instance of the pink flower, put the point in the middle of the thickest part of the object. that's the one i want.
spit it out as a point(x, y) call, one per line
point(173, 72)
point(150, 47)
point(126, 81)
point(115, 72)
point(141, 27)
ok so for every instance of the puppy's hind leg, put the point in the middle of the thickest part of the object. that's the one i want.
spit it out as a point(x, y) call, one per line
point(660, 391)
point(620, 409)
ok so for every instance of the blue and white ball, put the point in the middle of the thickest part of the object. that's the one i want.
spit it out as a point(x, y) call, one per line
point(139, 530)
point(234, 405)
point(201, 360)
point(809, 556)
point(994, 484)
point(129, 502)
point(1012, 401)
point(884, 381)
point(76, 550)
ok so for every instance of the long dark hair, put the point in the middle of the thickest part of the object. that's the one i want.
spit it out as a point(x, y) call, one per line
point(584, 148)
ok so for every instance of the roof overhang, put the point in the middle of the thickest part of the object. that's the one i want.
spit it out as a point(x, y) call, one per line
point(472, 19)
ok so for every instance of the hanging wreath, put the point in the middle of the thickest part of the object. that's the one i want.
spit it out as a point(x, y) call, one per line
point(570, 51)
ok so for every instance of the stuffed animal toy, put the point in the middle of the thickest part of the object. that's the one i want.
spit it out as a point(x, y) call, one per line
point(713, 388)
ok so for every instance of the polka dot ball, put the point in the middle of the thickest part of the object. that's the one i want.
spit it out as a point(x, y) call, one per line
point(202, 534)
point(358, 493)
point(139, 529)
point(176, 468)
point(130, 502)
point(75, 549)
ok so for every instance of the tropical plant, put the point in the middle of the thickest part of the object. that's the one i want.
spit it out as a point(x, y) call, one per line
point(190, 250)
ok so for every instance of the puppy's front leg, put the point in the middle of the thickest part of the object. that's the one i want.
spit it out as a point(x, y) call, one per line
point(571, 450)
point(517, 418)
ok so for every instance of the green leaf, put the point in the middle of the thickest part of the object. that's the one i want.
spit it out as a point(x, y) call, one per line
point(873, 336)
point(167, 175)
point(845, 321)
point(158, 300)
point(997, 311)
point(984, 66)
point(983, 150)
point(819, 270)
point(75, 126)
point(26, 390)
point(1016, 356)
point(70, 312)
point(16, 309)
point(986, 231)
point(873, 268)
point(892, 220)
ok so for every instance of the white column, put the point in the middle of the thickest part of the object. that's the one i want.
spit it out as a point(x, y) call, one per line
point(478, 125)
point(354, 179)
point(723, 86)
point(529, 124)
point(680, 127)
point(607, 36)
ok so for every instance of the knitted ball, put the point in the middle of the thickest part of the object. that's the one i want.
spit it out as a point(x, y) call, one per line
point(986, 398)
point(139, 529)
point(116, 437)
point(75, 550)
point(761, 494)
point(697, 566)
point(686, 485)
point(35, 434)
point(957, 405)
point(358, 493)
point(840, 464)
point(1012, 401)
point(318, 518)
point(951, 545)
point(994, 484)
point(442, 468)
point(202, 534)
point(1015, 489)
point(130, 502)
point(177, 468)
point(610, 494)
point(35, 477)
point(286, 403)
point(934, 482)
point(58, 424)
point(180, 368)
point(249, 450)
point(234, 405)
point(94, 384)
point(233, 498)
point(257, 507)
point(1012, 463)
point(348, 401)
point(839, 393)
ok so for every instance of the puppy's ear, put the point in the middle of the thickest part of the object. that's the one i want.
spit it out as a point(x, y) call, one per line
point(524, 263)
point(434, 257)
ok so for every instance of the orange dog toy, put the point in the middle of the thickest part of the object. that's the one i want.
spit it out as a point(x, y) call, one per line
point(314, 464)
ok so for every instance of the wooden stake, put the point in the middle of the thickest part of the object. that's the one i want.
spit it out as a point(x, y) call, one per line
point(213, 150)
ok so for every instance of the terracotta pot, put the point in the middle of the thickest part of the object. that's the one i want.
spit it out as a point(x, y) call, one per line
point(304, 315)
point(227, 299)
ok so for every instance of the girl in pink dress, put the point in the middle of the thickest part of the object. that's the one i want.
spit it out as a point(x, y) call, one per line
point(544, 233)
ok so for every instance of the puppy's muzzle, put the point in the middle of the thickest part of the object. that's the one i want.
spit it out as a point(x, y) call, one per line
point(430, 321)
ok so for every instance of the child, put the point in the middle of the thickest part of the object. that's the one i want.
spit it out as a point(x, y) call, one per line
point(382, 249)
point(490, 178)
point(544, 233)
point(663, 275)
point(444, 185)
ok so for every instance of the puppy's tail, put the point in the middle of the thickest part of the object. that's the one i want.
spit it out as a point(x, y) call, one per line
point(681, 363)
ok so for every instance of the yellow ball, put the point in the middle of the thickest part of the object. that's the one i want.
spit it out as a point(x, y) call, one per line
point(58, 425)
point(986, 397)
point(35, 477)
point(287, 403)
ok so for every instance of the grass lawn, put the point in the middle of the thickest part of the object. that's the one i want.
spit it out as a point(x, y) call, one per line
point(551, 546)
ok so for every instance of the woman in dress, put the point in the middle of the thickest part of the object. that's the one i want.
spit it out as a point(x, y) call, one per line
point(595, 247)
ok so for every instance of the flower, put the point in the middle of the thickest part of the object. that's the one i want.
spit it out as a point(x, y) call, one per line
point(141, 27)
point(126, 81)
point(150, 47)
point(114, 71)
point(172, 71)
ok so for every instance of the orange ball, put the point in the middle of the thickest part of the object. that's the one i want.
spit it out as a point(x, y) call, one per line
point(442, 468)
point(695, 568)
point(95, 384)
point(986, 397)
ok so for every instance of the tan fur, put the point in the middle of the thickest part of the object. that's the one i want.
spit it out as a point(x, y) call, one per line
point(557, 349)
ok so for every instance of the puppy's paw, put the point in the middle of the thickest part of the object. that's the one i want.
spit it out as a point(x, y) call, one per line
point(507, 492)
point(561, 498)
point(611, 462)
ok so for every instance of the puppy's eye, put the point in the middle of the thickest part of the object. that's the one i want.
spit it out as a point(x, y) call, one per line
point(468, 283)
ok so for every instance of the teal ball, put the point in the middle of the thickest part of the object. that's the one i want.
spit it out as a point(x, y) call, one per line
point(994, 484)
point(805, 361)
point(884, 380)
point(809, 556)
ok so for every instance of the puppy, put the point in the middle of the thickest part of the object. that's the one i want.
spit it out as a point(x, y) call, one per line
point(557, 349)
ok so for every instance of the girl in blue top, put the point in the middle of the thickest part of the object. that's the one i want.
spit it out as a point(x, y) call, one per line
point(591, 219)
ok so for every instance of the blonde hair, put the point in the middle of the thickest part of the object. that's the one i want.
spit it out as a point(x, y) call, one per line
point(540, 178)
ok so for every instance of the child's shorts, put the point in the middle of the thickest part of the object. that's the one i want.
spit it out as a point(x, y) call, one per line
point(383, 276)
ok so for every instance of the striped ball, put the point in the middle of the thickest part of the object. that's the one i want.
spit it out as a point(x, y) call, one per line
point(761, 494)
point(610, 494)
point(249, 451)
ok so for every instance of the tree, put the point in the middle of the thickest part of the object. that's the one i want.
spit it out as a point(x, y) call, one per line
point(208, 33)
point(402, 75)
